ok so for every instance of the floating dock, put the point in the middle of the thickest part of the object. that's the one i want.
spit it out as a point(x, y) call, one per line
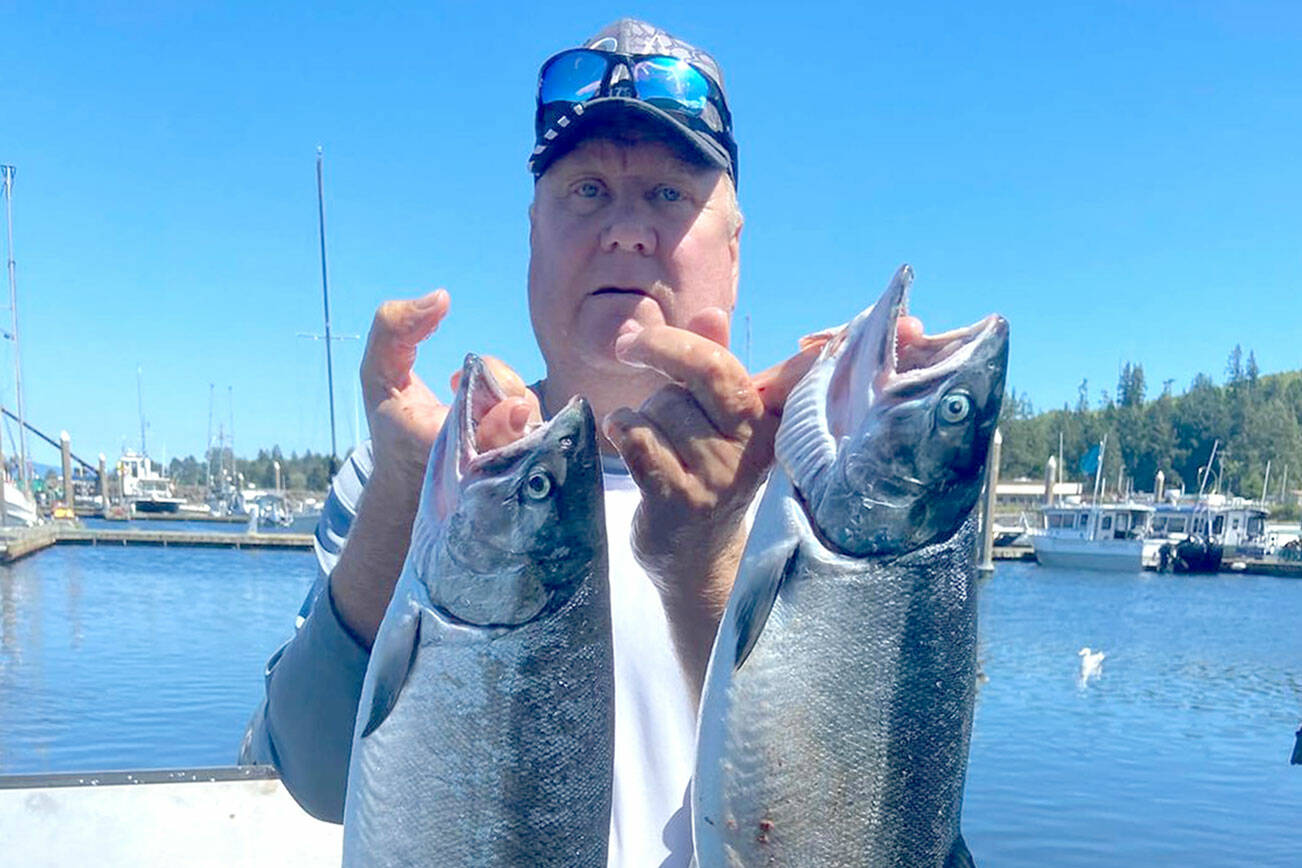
point(19, 543)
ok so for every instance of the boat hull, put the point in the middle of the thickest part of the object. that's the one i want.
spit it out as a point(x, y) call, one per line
point(156, 506)
point(1114, 555)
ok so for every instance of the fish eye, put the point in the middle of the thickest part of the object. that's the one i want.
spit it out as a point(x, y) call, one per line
point(538, 485)
point(955, 407)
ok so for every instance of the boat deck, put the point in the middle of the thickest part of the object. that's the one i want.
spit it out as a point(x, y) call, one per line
point(222, 817)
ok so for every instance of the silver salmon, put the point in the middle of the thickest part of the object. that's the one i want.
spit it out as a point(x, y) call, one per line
point(837, 710)
point(485, 731)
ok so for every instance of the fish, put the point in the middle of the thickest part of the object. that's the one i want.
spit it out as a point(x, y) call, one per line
point(836, 715)
point(485, 729)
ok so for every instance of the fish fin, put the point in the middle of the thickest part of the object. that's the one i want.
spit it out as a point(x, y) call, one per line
point(755, 602)
point(391, 662)
point(959, 855)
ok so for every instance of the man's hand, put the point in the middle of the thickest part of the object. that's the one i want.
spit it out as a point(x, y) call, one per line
point(405, 418)
point(698, 448)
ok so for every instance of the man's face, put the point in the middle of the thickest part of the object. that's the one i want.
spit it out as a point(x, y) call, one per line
point(626, 233)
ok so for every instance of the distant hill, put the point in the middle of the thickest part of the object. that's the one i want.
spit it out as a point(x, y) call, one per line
point(1257, 418)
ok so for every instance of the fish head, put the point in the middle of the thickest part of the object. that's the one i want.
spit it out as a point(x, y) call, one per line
point(905, 430)
point(512, 532)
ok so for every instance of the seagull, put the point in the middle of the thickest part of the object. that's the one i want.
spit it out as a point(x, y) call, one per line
point(1091, 663)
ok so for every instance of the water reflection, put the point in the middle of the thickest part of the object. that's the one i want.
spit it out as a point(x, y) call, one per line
point(8, 614)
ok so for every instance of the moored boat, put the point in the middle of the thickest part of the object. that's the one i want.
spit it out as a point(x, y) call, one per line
point(1101, 536)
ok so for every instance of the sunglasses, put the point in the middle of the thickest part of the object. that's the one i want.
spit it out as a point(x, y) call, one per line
point(668, 83)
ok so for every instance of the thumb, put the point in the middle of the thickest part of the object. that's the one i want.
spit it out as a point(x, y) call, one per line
point(712, 323)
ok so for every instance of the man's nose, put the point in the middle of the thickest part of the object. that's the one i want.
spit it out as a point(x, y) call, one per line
point(629, 230)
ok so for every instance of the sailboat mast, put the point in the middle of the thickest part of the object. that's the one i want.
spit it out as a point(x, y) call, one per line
point(325, 297)
point(140, 409)
point(7, 172)
point(207, 455)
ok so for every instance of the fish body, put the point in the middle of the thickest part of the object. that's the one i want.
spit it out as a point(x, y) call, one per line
point(837, 709)
point(485, 730)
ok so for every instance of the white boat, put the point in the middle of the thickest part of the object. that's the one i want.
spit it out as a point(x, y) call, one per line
point(1104, 536)
point(19, 509)
point(143, 487)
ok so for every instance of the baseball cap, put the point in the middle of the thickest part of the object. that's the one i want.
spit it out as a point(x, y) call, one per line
point(577, 94)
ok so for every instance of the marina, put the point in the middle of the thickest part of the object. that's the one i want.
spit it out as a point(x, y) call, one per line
point(146, 661)
point(1131, 667)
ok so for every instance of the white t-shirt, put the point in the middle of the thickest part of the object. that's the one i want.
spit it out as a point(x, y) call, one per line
point(655, 721)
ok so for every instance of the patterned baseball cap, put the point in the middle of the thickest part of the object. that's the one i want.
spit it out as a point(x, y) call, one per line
point(705, 130)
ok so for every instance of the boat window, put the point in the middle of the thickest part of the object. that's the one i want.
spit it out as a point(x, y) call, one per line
point(1256, 525)
point(1084, 519)
point(1234, 522)
point(1218, 524)
point(1107, 522)
point(1055, 520)
point(1176, 525)
point(1200, 525)
point(1159, 523)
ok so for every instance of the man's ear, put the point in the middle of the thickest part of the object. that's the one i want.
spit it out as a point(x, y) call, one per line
point(734, 250)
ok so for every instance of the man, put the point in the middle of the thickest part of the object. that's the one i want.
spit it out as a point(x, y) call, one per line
point(634, 255)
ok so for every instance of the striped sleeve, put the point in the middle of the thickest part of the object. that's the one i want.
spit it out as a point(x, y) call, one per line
point(304, 725)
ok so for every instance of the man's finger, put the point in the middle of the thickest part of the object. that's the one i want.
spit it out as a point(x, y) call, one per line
point(700, 447)
point(651, 461)
point(712, 323)
point(504, 424)
point(716, 379)
point(398, 328)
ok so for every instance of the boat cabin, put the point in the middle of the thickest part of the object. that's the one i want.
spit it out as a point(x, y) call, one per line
point(1101, 521)
point(1229, 524)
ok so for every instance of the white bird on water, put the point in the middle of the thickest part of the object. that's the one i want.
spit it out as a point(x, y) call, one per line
point(1091, 663)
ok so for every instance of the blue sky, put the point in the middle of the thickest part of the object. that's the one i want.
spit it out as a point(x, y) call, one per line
point(1120, 179)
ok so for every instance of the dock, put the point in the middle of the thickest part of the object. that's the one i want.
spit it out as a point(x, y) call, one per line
point(18, 544)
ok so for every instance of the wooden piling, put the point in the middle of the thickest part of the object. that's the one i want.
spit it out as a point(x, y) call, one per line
point(103, 483)
point(985, 563)
point(65, 452)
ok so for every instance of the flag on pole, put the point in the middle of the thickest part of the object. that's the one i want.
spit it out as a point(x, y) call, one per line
point(1089, 463)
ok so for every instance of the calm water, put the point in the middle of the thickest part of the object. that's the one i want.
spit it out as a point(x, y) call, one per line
point(1177, 754)
point(115, 658)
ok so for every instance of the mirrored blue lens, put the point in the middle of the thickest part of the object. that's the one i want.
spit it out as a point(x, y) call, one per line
point(674, 83)
point(572, 77)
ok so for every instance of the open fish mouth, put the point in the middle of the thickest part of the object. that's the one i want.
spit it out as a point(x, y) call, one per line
point(482, 393)
point(926, 358)
point(870, 359)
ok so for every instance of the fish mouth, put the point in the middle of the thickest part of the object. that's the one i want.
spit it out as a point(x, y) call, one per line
point(479, 393)
point(926, 358)
point(871, 362)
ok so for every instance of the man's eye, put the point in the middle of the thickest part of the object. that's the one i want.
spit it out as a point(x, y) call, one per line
point(587, 190)
point(665, 193)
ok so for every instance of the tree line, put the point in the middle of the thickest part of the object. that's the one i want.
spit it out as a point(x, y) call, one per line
point(310, 471)
point(1256, 418)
